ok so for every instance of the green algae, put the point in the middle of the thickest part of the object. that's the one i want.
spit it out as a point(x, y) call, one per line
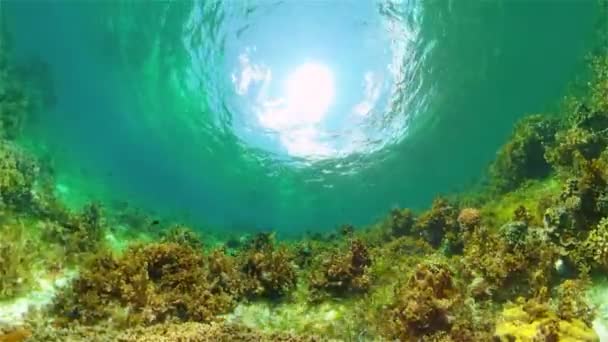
point(533, 196)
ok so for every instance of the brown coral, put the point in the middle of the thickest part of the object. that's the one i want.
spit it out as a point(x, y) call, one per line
point(424, 303)
point(148, 284)
point(344, 273)
point(438, 223)
point(401, 222)
point(596, 245)
point(182, 235)
point(492, 260)
point(269, 271)
point(469, 219)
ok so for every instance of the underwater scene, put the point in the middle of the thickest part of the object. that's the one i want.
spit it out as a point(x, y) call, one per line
point(303, 170)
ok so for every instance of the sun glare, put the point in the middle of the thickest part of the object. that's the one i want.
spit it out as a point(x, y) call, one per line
point(310, 91)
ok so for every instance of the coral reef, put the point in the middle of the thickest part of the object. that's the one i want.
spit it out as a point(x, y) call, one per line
point(585, 134)
point(522, 157)
point(15, 103)
point(517, 260)
point(206, 332)
point(401, 222)
point(24, 89)
point(166, 332)
point(17, 258)
point(269, 271)
point(469, 219)
point(440, 222)
point(572, 303)
point(18, 173)
point(596, 245)
point(182, 235)
point(343, 273)
point(79, 233)
point(534, 321)
point(459, 271)
point(148, 284)
point(429, 306)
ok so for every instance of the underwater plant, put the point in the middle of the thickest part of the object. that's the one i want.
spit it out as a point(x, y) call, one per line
point(182, 235)
point(342, 272)
point(78, 232)
point(149, 284)
point(426, 306)
point(17, 258)
point(513, 263)
point(15, 103)
point(585, 133)
point(401, 222)
point(439, 225)
point(269, 271)
point(18, 173)
point(596, 246)
point(523, 156)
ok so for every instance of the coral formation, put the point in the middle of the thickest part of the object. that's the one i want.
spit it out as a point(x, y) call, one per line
point(15, 104)
point(596, 245)
point(531, 321)
point(426, 305)
point(182, 235)
point(401, 222)
point(18, 173)
point(81, 232)
point(342, 273)
point(17, 258)
point(469, 219)
point(148, 284)
point(458, 271)
point(269, 271)
point(440, 222)
point(522, 157)
point(166, 332)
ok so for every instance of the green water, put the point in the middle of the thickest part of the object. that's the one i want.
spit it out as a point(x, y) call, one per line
point(182, 108)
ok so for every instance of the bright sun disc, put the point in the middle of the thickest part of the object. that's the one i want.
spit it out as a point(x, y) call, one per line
point(310, 91)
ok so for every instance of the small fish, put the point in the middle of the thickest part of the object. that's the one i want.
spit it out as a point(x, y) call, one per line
point(155, 222)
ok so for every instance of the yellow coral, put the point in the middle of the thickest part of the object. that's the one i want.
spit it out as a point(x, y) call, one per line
point(518, 325)
point(597, 244)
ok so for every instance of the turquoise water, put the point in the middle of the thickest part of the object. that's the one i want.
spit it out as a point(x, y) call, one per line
point(291, 115)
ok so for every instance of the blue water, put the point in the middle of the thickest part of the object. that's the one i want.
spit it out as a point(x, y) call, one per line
point(181, 107)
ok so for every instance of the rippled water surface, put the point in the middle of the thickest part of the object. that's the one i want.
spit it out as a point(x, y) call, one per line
point(293, 114)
